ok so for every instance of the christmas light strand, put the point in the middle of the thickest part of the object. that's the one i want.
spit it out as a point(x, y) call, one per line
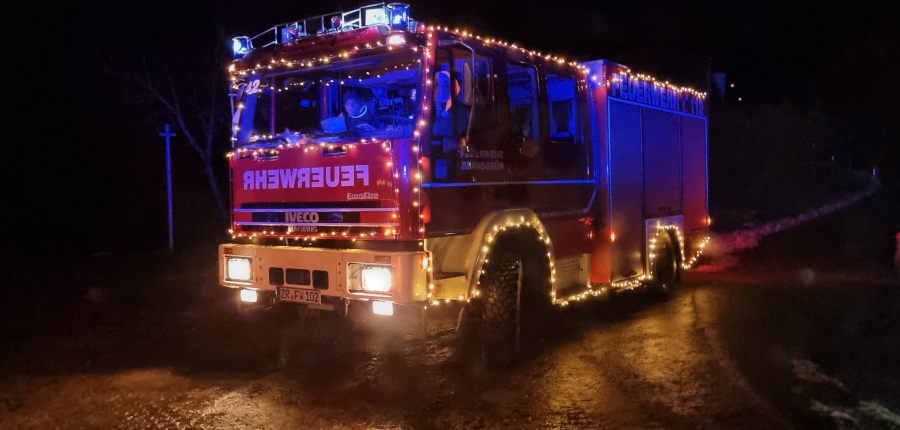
point(643, 279)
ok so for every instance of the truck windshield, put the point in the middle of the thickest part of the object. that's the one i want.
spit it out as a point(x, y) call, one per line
point(374, 97)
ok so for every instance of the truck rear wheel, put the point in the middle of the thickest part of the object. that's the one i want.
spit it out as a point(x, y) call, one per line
point(501, 311)
point(665, 271)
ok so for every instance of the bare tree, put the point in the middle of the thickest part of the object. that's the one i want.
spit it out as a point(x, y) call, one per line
point(197, 104)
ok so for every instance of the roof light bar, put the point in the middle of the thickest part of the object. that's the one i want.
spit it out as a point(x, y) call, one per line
point(393, 15)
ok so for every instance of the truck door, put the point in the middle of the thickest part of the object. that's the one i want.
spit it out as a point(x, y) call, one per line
point(626, 182)
point(662, 163)
point(465, 152)
point(465, 127)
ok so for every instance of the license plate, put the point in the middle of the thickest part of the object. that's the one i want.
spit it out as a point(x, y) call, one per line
point(299, 295)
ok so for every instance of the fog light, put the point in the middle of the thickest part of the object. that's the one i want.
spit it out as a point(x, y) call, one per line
point(376, 279)
point(248, 296)
point(383, 308)
point(238, 268)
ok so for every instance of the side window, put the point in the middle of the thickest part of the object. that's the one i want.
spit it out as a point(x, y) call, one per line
point(463, 94)
point(451, 116)
point(564, 119)
point(523, 107)
point(463, 97)
point(262, 116)
point(479, 99)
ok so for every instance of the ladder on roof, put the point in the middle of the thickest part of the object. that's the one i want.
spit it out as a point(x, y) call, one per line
point(335, 22)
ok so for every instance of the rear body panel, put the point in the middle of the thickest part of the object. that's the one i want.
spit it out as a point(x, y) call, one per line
point(653, 144)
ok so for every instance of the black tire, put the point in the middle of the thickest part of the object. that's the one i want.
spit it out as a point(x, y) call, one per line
point(665, 271)
point(469, 329)
point(501, 285)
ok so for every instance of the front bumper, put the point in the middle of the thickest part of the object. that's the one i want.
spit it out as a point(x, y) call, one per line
point(327, 271)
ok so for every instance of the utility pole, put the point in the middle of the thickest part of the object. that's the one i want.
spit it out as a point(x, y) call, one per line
point(168, 135)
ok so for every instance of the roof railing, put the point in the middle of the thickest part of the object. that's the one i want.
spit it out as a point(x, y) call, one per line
point(394, 15)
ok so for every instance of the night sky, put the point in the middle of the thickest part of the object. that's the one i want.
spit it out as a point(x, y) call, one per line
point(85, 166)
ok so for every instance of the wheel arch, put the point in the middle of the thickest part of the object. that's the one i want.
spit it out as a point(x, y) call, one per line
point(467, 253)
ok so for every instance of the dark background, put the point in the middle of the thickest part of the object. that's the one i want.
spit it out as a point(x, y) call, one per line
point(84, 168)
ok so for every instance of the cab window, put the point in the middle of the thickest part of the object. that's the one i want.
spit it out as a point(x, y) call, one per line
point(297, 101)
point(565, 123)
point(262, 114)
point(371, 97)
point(463, 97)
point(523, 102)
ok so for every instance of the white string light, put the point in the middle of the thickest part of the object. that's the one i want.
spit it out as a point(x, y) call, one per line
point(643, 279)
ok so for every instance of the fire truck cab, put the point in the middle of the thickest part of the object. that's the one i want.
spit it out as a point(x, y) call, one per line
point(383, 165)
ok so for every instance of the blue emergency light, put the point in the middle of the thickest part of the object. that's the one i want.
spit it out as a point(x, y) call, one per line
point(241, 46)
point(399, 15)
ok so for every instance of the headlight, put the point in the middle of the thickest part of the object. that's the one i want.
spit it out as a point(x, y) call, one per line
point(238, 269)
point(376, 279)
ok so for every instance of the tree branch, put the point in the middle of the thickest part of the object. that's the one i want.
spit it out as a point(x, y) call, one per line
point(199, 120)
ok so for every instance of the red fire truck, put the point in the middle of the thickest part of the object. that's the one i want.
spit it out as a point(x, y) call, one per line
point(384, 166)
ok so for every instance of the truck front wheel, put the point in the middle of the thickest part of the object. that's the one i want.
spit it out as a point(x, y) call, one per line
point(501, 312)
